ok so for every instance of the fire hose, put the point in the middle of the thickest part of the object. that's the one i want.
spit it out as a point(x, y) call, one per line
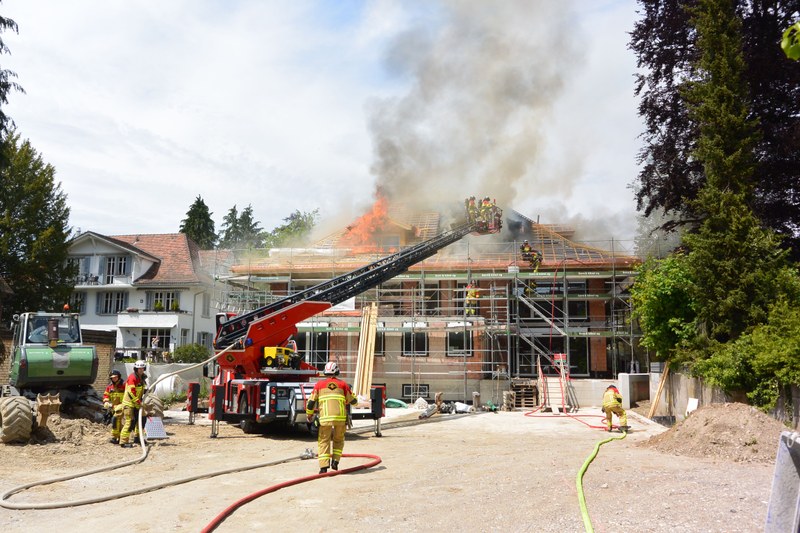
point(214, 524)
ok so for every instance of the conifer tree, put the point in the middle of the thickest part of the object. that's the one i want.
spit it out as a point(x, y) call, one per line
point(199, 225)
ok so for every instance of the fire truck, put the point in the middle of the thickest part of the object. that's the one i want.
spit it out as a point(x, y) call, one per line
point(261, 381)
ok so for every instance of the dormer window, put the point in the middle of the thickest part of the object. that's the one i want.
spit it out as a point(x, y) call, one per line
point(115, 265)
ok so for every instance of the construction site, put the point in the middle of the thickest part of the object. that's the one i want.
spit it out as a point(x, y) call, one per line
point(476, 317)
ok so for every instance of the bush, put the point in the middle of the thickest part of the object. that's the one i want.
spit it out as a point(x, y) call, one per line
point(190, 353)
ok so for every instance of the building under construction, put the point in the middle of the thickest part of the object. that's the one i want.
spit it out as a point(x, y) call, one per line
point(475, 317)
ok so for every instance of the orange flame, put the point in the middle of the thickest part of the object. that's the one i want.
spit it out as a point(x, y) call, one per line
point(361, 234)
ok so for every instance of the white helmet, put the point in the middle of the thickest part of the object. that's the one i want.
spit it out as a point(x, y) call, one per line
point(331, 369)
point(139, 364)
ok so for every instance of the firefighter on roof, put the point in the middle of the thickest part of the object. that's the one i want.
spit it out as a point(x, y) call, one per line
point(131, 403)
point(331, 396)
point(112, 403)
point(612, 404)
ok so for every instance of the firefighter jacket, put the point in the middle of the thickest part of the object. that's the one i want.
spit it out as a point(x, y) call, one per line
point(114, 393)
point(611, 398)
point(332, 396)
point(134, 388)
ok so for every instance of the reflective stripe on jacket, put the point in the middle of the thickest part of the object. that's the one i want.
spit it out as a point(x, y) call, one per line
point(331, 395)
point(611, 398)
point(134, 387)
point(114, 393)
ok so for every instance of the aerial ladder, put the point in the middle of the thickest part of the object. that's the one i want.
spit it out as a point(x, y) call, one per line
point(259, 380)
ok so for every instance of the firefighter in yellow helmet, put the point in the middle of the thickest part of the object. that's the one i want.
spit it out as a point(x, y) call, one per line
point(612, 404)
point(331, 396)
point(112, 403)
point(471, 299)
point(131, 403)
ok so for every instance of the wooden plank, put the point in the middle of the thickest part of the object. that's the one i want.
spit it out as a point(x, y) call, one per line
point(654, 403)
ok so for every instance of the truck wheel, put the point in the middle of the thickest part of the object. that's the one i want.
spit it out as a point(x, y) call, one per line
point(248, 426)
point(153, 406)
point(16, 419)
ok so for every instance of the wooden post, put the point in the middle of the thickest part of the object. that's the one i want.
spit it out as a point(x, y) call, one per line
point(654, 403)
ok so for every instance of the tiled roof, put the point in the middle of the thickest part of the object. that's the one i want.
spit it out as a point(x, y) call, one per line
point(178, 254)
point(489, 252)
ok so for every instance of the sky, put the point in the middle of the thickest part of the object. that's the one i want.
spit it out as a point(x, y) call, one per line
point(142, 106)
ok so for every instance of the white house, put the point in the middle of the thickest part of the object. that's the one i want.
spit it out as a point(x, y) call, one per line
point(150, 289)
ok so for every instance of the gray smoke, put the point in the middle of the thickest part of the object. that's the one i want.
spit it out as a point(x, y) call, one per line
point(479, 107)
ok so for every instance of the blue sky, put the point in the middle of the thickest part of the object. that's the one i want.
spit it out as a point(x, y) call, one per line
point(142, 106)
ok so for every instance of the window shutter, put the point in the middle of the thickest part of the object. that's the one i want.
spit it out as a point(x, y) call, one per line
point(99, 303)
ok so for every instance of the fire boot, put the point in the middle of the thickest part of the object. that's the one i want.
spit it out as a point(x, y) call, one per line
point(323, 470)
point(334, 465)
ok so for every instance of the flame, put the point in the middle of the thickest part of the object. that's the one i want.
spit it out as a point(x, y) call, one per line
point(361, 234)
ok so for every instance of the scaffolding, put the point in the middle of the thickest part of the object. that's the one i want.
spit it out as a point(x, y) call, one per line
point(427, 341)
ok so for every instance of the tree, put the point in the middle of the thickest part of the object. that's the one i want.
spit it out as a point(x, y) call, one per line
point(7, 83)
point(664, 41)
point(790, 43)
point(33, 230)
point(199, 226)
point(190, 353)
point(249, 230)
point(663, 305)
point(298, 226)
point(229, 232)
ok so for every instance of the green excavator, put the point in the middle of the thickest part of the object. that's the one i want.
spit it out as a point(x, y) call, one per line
point(50, 369)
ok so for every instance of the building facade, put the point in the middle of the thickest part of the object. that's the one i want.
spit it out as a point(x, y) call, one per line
point(151, 290)
point(474, 316)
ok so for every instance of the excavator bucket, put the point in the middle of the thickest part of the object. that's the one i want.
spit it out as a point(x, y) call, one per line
point(46, 405)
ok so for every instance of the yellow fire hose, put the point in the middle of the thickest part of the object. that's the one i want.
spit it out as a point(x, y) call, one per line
point(587, 523)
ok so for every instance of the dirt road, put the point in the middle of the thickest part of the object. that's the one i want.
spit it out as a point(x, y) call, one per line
point(481, 472)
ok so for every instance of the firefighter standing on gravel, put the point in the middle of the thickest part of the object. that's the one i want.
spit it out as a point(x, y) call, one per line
point(112, 403)
point(331, 396)
point(612, 404)
point(131, 403)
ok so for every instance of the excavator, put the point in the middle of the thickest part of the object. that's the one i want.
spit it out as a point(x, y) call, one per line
point(261, 380)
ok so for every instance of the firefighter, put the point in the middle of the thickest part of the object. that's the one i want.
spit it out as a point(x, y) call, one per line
point(112, 403)
point(131, 403)
point(330, 397)
point(612, 404)
point(471, 299)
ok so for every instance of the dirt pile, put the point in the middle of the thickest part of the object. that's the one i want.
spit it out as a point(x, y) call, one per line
point(75, 431)
point(730, 431)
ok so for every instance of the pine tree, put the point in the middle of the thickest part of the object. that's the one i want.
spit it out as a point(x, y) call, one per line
point(34, 231)
point(199, 225)
point(735, 265)
point(229, 234)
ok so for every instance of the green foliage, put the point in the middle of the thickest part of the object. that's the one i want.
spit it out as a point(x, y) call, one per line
point(240, 230)
point(190, 353)
point(34, 230)
point(790, 42)
point(158, 306)
point(663, 306)
point(199, 226)
point(6, 85)
point(298, 226)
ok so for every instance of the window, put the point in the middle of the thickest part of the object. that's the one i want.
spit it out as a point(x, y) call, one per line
point(162, 337)
point(415, 391)
point(204, 339)
point(206, 305)
point(184, 337)
point(415, 342)
point(80, 266)
point(77, 302)
point(165, 298)
point(109, 303)
point(116, 265)
point(380, 343)
point(459, 341)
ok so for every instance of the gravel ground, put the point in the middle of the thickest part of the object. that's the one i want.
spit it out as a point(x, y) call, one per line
point(506, 471)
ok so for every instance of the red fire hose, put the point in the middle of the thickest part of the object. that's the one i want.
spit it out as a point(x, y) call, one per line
point(214, 524)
